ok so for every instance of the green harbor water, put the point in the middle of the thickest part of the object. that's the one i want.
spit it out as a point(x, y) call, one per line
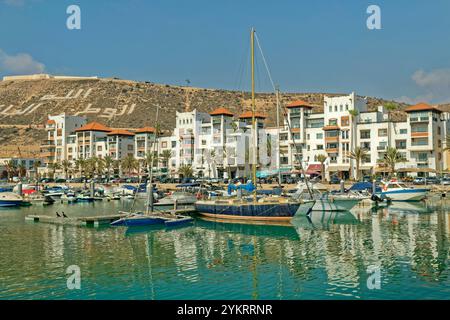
point(325, 257)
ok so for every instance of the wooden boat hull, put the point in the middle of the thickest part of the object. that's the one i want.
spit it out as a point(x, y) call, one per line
point(248, 211)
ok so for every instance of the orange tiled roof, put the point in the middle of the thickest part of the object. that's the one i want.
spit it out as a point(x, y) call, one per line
point(94, 126)
point(248, 114)
point(299, 103)
point(51, 121)
point(146, 130)
point(422, 107)
point(221, 111)
point(120, 132)
point(328, 128)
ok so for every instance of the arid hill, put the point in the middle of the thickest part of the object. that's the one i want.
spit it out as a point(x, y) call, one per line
point(25, 105)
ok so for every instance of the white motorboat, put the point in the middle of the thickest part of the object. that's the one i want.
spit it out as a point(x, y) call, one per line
point(10, 199)
point(398, 191)
point(326, 201)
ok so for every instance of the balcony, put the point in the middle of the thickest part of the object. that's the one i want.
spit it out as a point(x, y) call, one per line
point(381, 148)
point(419, 119)
point(419, 134)
point(47, 154)
point(332, 150)
point(47, 143)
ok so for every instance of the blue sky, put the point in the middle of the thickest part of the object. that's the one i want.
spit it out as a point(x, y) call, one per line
point(311, 46)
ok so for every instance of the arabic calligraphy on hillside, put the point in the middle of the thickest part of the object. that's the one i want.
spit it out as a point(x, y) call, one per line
point(102, 112)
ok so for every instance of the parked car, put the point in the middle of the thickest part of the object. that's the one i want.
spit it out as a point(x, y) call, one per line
point(335, 180)
point(419, 180)
point(445, 181)
point(60, 180)
point(432, 180)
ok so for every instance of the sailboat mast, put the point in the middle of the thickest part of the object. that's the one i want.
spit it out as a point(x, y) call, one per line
point(255, 137)
point(278, 136)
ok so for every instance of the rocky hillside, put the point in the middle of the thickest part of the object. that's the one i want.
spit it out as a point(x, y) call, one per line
point(25, 105)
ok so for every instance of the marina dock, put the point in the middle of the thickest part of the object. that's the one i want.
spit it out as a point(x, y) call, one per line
point(94, 221)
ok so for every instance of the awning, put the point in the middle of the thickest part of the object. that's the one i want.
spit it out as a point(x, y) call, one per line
point(416, 170)
point(314, 169)
point(338, 168)
point(365, 167)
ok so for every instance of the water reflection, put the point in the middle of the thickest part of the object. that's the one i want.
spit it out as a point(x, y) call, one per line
point(323, 257)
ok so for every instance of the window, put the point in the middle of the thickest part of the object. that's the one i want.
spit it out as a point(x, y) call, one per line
point(341, 108)
point(382, 132)
point(174, 144)
point(99, 148)
point(330, 108)
point(403, 131)
point(296, 136)
point(346, 107)
point(307, 136)
point(365, 134)
point(332, 122)
point(308, 148)
point(130, 147)
point(400, 144)
point(320, 147)
point(164, 144)
point(345, 134)
point(335, 108)
point(283, 136)
point(422, 157)
point(319, 135)
point(345, 121)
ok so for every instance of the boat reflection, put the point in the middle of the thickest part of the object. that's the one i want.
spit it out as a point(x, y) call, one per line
point(323, 220)
point(282, 231)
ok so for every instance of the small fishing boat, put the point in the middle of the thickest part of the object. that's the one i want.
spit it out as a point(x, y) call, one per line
point(84, 198)
point(10, 199)
point(40, 199)
point(142, 219)
point(179, 199)
point(398, 191)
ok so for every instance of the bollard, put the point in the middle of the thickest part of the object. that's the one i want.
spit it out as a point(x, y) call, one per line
point(342, 186)
point(374, 186)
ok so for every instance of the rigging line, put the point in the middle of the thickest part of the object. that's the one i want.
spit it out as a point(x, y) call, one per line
point(265, 62)
point(242, 67)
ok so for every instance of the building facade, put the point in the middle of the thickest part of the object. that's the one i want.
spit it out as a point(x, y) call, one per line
point(220, 144)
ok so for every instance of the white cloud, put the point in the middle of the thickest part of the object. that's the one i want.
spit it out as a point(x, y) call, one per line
point(433, 85)
point(21, 63)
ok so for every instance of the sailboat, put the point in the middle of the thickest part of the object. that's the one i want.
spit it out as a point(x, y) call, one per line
point(253, 208)
point(149, 218)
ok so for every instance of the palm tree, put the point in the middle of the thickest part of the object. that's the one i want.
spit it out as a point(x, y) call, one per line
point(80, 164)
point(54, 166)
point(108, 162)
point(91, 166)
point(322, 158)
point(150, 159)
point(65, 164)
point(186, 171)
point(100, 167)
point(10, 168)
point(358, 154)
point(36, 165)
point(22, 170)
point(391, 158)
point(165, 157)
point(129, 163)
